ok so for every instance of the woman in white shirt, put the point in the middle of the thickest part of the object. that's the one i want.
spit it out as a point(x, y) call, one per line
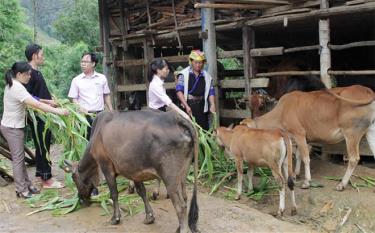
point(16, 98)
point(157, 96)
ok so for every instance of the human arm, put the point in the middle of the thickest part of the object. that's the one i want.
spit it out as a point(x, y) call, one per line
point(181, 97)
point(211, 98)
point(81, 109)
point(179, 111)
point(108, 102)
point(30, 101)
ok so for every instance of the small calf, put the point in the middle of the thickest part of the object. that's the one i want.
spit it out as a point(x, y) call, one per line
point(260, 147)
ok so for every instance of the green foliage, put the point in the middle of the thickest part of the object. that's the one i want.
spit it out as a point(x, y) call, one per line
point(13, 37)
point(79, 22)
point(61, 66)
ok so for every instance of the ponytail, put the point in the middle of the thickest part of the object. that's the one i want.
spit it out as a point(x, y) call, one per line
point(17, 67)
point(157, 64)
point(9, 78)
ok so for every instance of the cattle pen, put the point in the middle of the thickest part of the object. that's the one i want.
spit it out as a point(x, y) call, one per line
point(332, 39)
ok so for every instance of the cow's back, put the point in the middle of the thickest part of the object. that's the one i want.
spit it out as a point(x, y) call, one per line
point(141, 141)
point(319, 114)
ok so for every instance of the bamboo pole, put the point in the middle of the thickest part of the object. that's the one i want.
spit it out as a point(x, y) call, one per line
point(176, 25)
point(264, 2)
point(316, 72)
point(325, 52)
point(229, 6)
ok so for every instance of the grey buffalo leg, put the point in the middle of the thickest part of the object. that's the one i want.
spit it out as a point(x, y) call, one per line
point(174, 191)
point(141, 190)
point(110, 177)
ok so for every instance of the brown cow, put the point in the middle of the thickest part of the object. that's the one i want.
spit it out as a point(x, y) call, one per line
point(327, 116)
point(260, 147)
point(141, 145)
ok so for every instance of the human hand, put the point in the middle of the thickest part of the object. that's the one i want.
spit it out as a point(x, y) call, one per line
point(188, 110)
point(212, 108)
point(83, 110)
point(63, 112)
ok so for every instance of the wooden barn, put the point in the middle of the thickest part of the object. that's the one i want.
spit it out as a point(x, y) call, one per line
point(334, 39)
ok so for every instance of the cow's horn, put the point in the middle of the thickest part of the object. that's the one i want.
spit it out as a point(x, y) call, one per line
point(230, 126)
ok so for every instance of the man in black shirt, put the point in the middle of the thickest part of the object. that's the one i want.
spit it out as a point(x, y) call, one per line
point(38, 89)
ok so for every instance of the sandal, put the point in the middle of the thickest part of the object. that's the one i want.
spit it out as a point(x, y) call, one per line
point(33, 189)
point(25, 195)
point(52, 184)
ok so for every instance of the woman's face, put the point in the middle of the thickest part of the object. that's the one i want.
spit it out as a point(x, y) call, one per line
point(23, 77)
point(163, 73)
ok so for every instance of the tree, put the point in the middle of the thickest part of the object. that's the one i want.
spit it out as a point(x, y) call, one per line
point(13, 37)
point(79, 23)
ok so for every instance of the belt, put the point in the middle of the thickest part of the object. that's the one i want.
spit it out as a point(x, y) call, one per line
point(192, 97)
point(96, 112)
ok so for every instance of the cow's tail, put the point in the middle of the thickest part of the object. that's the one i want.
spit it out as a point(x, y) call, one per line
point(289, 154)
point(353, 101)
point(194, 209)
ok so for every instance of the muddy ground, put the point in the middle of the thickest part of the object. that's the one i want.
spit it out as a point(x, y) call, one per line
point(217, 213)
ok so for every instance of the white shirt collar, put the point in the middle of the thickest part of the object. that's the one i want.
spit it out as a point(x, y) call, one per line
point(157, 79)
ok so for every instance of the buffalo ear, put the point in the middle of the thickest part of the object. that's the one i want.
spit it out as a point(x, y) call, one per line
point(68, 167)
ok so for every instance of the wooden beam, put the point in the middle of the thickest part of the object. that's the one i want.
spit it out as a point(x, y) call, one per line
point(240, 83)
point(351, 72)
point(262, 52)
point(142, 87)
point(352, 45)
point(280, 9)
point(229, 6)
point(230, 54)
point(263, 2)
point(234, 113)
point(288, 73)
point(316, 14)
point(301, 48)
point(316, 72)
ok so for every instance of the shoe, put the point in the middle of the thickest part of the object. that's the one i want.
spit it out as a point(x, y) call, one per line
point(25, 195)
point(52, 184)
point(33, 189)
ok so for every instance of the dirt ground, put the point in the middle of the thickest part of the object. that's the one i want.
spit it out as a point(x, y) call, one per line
point(217, 214)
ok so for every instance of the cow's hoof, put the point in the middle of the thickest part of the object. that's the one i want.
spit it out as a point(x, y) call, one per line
point(305, 185)
point(154, 196)
point(131, 189)
point(150, 219)
point(237, 197)
point(340, 187)
point(115, 220)
point(293, 211)
point(280, 213)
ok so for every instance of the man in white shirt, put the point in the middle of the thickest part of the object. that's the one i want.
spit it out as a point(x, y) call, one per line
point(90, 89)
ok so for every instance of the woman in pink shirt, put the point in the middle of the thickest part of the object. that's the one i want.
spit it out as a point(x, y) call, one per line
point(157, 96)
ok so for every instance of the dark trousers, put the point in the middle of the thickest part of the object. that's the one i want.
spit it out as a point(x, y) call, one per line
point(90, 120)
point(197, 109)
point(42, 146)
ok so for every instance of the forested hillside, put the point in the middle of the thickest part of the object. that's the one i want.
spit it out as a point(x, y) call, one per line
point(72, 22)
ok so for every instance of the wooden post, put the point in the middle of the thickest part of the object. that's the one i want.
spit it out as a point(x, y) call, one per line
point(148, 53)
point(104, 15)
point(209, 48)
point(248, 43)
point(325, 52)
